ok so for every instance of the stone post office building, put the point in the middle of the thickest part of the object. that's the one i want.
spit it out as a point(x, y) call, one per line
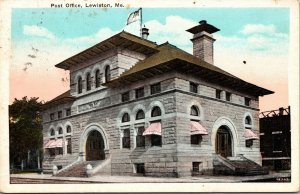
point(135, 107)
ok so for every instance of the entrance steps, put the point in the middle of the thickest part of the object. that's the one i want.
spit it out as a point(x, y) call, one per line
point(240, 165)
point(79, 169)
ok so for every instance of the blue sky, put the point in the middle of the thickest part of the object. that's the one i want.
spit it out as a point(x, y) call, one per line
point(259, 36)
point(69, 23)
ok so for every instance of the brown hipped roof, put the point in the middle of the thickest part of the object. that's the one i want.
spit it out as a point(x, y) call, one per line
point(122, 39)
point(170, 58)
point(161, 59)
point(64, 97)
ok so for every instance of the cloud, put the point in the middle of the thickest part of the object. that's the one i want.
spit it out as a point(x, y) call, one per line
point(255, 38)
point(99, 36)
point(34, 30)
point(172, 31)
point(258, 28)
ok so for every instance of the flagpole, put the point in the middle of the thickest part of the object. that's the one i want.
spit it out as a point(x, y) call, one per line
point(141, 24)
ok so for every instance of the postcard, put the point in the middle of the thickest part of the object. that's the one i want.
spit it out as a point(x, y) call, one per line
point(149, 96)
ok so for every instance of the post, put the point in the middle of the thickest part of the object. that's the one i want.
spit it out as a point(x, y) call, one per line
point(38, 159)
point(89, 169)
point(28, 158)
point(22, 165)
point(54, 170)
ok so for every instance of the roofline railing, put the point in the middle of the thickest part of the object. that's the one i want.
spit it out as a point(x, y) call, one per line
point(273, 113)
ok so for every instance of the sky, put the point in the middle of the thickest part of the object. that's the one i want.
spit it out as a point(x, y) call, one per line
point(42, 38)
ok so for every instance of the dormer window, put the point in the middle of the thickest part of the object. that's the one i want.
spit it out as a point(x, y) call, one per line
point(107, 74)
point(88, 82)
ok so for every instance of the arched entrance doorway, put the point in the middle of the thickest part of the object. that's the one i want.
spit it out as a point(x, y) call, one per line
point(223, 143)
point(94, 146)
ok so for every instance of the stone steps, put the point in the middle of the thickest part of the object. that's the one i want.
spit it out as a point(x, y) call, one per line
point(237, 166)
point(78, 170)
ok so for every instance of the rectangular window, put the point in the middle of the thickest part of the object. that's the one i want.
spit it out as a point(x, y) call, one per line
point(218, 94)
point(155, 140)
point(196, 139)
point(193, 87)
point(155, 88)
point(59, 114)
point(140, 139)
point(51, 151)
point(52, 116)
point(196, 166)
point(125, 97)
point(69, 146)
point(247, 101)
point(60, 151)
point(249, 143)
point(139, 93)
point(277, 142)
point(140, 168)
point(126, 138)
point(228, 96)
point(68, 112)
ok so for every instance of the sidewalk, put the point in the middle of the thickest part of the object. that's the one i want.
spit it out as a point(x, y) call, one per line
point(138, 179)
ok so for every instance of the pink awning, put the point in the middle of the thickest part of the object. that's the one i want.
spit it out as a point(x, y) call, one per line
point(50, 143)
point(249, 134)
point(59, 143)
point(153, 129)
point(196, 128)
point(54, 143)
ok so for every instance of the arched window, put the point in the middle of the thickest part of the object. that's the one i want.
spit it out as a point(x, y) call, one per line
point(125, 118)
point(140, 115)
point(248, 120)
point(79, 85)
point(60, 131)
point(69, 130)
point(107, 74)
point(97, 78)
point(194, 111)
point(88, 82)
point(156, 112)
point(52, 132)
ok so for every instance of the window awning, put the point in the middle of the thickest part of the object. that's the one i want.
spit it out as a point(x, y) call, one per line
point(197, 129)
point(50, 143)
point(55, 143)
point(249, 134)
point(153, 129)
point(59, 143)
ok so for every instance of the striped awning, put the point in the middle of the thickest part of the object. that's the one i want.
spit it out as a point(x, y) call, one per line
point(50, 144)
point(153, 129)
point(55, 143)
point(197, 129)
point(249, 134)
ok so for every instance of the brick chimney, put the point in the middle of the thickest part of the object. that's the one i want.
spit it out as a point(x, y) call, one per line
point(203, 41)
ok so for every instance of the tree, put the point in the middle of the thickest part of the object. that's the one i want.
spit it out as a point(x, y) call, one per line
point(25, 128)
